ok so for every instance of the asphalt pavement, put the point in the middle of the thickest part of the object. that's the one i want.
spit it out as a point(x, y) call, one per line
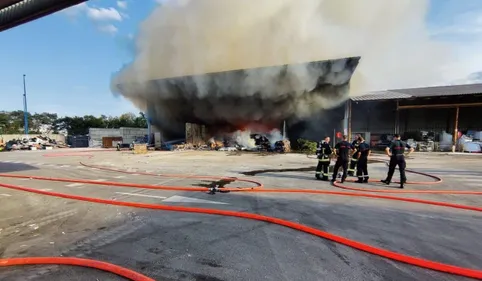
point(168, 245)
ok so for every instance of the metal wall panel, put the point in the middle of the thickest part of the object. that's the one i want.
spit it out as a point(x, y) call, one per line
point(426, 119)
point(377, 117)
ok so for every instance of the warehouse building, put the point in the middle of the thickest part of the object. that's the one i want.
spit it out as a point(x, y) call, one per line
point(107, 138)
point(421, 114)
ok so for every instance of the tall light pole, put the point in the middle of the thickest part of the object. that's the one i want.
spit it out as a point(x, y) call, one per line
point(25, 112)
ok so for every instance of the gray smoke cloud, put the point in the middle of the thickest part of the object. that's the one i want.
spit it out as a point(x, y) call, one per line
point(184, 45)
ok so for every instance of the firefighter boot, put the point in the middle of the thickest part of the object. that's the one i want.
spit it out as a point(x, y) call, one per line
point(360, 180)
point(385, 182)
point(324, 178)
point(365, 180)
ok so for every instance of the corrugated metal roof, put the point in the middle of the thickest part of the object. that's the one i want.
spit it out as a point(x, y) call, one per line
point(441, 91)
point(456, 90)
point(382, 95)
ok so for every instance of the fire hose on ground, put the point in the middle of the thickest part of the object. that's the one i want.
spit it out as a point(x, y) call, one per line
point(129, 274)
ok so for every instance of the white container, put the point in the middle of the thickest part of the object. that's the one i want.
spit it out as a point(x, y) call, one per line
point(472, 147)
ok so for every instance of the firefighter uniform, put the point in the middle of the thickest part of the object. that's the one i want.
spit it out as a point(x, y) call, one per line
point(354, 158)
point(323, 151)
point(362, 164)
point(342, 150)
point(397, 149)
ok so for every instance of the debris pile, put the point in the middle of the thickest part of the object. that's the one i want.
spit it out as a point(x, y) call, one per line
point(237, 141)
point(38, 142)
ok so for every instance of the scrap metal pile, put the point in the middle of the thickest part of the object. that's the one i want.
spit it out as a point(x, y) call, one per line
point(38, 142)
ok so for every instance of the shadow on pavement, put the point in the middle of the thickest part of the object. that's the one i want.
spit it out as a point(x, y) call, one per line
point(15, 167)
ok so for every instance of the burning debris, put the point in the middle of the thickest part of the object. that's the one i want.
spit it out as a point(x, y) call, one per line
point(272, 141)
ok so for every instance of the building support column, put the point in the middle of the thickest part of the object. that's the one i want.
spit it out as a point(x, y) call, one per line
point(397, 119)
point(347, 119)
point(456, 128)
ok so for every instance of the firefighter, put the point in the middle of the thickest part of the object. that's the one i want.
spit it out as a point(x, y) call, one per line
point(323, 151)
point(362, 163)
point(396, 151)
point(342, 150)
point(354, 157)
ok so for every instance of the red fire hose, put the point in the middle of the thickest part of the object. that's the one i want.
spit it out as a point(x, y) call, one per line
point(473, 273)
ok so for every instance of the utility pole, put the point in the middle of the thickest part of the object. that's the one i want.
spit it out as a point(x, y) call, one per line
point(25, 112)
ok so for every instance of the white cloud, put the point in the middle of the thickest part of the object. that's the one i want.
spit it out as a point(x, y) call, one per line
point(122, 4)
point(75, 10)
point(107, 28)
point(103, 14)
point(101, 17)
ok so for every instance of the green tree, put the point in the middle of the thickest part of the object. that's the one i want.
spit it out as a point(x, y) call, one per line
point(307, 146)
point(12, 122)
point(43, 121)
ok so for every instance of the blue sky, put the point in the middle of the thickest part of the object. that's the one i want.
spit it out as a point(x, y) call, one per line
point(70, 56)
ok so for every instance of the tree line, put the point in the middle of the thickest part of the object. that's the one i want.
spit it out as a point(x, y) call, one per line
point(12, 122)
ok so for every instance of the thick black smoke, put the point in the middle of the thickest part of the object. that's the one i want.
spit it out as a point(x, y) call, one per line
point(235, 99)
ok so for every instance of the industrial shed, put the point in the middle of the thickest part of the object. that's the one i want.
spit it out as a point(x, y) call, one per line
point(449, 109)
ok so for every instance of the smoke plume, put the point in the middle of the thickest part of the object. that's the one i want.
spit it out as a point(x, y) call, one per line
point(182, 43)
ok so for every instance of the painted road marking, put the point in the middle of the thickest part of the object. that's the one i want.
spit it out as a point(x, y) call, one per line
point(164, 182)
point(474, 184)
point(182, 199)
point(142, 195)
point(74, 184)
point(471, 180)
point(119, 177)
point(458, 175)
point(8, 195)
